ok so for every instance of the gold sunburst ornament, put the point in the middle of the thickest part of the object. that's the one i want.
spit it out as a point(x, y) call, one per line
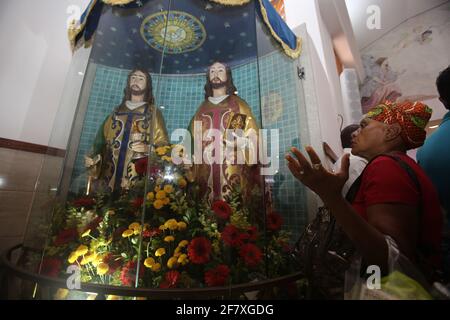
point(173, 32)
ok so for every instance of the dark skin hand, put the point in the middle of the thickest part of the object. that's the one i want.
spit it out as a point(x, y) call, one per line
point(398, 221)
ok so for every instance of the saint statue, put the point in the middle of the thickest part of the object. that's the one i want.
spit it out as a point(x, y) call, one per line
point(225, 112)
point(126, 136)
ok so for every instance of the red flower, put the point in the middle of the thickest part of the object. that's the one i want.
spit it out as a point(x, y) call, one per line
point(232, 237)
point(66, 236)
point(251, 254)
point(93, 224)
point(138, 202)
point(114, 262)
point(222, 209)
point(84, 202)
point(141, 166)
point(128, 274)
point(218, 276)
point(199, 250)
point(171, 280)
point(51, 267)
point(252, 233)
point(151, 232)
point(274, 221)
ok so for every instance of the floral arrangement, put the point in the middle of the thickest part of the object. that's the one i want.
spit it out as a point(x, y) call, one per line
point(160, 233)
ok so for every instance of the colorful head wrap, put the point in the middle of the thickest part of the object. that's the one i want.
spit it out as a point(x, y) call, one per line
point(412, 117)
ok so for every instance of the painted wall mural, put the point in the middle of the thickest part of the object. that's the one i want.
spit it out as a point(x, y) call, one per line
point(404, 64)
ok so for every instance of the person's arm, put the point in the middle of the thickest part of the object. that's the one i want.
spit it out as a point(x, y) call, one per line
point(396, 220)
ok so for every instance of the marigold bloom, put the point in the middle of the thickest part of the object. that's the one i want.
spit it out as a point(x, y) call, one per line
point(160, 252)
point(172, 262)
point(172, 224)
point(166, 201)
point(168, 188)
point(102, 269)
point(181, 225)
point(150, 196)
point(88, 258)
point(169, 239)
point(134, 226)
point(160, 195)
point(73, 257)
point(158, 204)
point(127, 233)
point(156, 267)
point(149, 262)
point(183, 243)
point(182, 258)
point(82, 250)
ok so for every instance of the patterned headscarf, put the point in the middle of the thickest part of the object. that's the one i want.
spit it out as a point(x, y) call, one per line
point(412, 117)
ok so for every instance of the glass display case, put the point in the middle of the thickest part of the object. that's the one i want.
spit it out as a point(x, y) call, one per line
point(174, 177)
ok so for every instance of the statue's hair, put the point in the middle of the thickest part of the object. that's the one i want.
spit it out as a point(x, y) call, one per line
point(231, 89)
point(148, 95)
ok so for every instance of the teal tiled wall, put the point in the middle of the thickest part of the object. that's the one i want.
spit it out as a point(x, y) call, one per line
point(181, 96)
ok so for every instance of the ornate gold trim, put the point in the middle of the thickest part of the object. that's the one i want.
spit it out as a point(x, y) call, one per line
point(231, 2)
point(117, 2)
point(293, 53)
point(74, 30)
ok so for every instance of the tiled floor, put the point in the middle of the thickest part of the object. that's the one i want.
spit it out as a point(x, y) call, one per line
point(19, 173)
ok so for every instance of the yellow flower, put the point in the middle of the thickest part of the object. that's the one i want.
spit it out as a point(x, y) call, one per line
point(182, 258)
point(168, 188)
point(169, 239)
point(156, 267)
point(102, 269)
point(98, 259)
point(150, 196)
point(82, 250)
point(166, 158)
point(185, 262)
point(162, 150)
point(160, 252)
point(160, 195)
point(182, 182)
point(127, 233)
point(166, 201)
point(162, 227)
point(172, 263)
point(149, 262)
point(86, 233)
point(73, 257)
point(136, 227)
point(88, 258)
point(172, 224)
point(183, 243)
point(157, 188)
point(158, 204)
point(181, 225)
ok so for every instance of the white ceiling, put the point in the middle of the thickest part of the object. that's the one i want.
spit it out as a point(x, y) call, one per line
point(393, 13)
